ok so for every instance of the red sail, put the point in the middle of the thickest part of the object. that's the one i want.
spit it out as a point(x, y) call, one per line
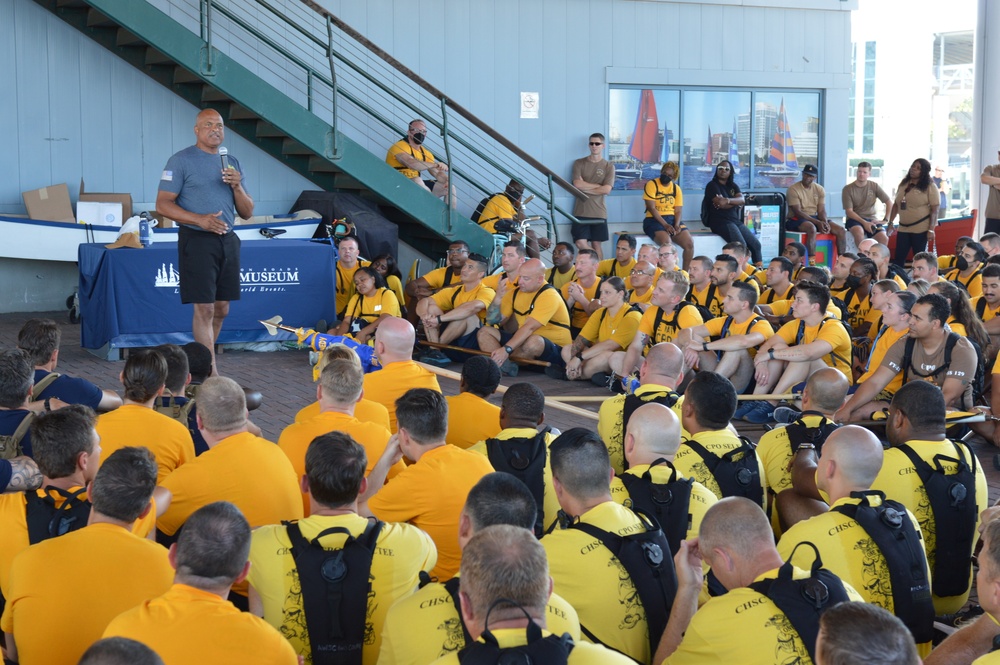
point(645, 146)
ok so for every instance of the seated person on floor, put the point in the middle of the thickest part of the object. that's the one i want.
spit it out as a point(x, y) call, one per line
point(563, 268)
point(779, 312)
point(454, 314)
point(796, 253)
point(778, 279)
point(666, 259)
point(987, 306)
point(969, 268)
point(503, 211)
point(385, 265)
point(841, 271)
point(925, 266)
point(705, 291)
point(748, 271)
point(581, 295)
point(18, 471)
point(471, 418)
point(948, 261)
point(541, 318)
point(365, 410)
point(858, 297)
point(371, 304)
point(728, 344)
point(348, 251)
point(437, 279)
point(895, 326)
point(812, 341)
point(624, 260)
point(963, 319)
point(880, 254)
point(920, 356)
point(399, 373)
point(643, 278)
point(609, 329)
point(512, 257)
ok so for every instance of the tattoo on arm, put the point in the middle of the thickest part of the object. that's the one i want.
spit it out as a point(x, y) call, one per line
point(25, 475)
point(493, 313)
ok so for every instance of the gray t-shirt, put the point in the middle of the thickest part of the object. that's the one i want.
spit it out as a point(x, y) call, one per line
point(196, 177)
point(922, 367)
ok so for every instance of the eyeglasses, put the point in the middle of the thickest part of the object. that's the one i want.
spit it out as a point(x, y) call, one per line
point(640, 272)
point(596, 143)
point(457, 251)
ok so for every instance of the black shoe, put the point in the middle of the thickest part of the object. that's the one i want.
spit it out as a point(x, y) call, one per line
point(601, 379)
point(556, 372)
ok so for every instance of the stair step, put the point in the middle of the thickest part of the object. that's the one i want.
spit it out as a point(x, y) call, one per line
point(210, 94)
point(126, 38)
point(266, 129)
point(293, 147)
point(155, 57)
point(71, 3)
point(319, 165)
point(96, 19)
point(240, 112)
point(182, 75)
point(344, 181)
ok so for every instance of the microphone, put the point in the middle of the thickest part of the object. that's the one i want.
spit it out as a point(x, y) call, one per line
point(224, 155)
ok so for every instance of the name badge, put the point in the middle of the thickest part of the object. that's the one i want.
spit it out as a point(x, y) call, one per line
point(378, 308)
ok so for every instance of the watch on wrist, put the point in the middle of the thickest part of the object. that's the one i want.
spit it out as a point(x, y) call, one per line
point(48, 403)
point(770, 354)
point(508, 350)
point(579, 356)
point(704, 346)
point(806, 446)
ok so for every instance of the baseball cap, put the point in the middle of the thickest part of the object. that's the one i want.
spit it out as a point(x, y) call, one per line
point(809, 169)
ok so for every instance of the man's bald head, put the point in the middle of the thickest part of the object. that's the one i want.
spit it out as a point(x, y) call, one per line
point(656, 433)
point(857, 454)
point(532, 267)
point(663, 360)
point(827, 390)
point(866, 244)
point(394, 340)
point(737, 525)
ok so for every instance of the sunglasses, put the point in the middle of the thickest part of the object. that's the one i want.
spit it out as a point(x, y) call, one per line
point(596, 143)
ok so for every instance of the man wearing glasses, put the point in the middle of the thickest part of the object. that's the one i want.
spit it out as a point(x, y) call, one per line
point(409, 156)
point(594, 176)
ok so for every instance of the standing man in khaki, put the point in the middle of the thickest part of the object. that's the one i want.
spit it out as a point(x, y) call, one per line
point(201, 190)
point(990, 178)
point(594, 176)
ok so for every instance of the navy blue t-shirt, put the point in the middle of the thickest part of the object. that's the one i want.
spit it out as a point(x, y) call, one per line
point(9, 422)
point(70, 389)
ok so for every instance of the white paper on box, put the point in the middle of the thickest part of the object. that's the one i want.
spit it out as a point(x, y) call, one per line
point(99, 214)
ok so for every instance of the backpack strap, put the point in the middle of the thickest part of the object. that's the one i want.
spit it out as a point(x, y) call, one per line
point(554, 649)
point(452, 587)
point(669, 502)
point(799, 433)
point(525, 459)
point(44, 383)
point(45, 520)
point(10, 445)
point(981, 307)
point(736, 472)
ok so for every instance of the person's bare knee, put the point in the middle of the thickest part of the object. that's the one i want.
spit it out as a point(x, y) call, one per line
point(533, 347)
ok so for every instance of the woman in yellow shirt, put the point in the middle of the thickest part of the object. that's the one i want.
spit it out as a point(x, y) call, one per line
point(367, 308)
point(609, 329)
point(385, 265)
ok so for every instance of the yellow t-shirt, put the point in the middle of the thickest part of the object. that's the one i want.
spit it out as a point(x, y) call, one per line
point(744, 627)
point(775, 453)
point(595, 583)
point(750, 281)
point(545, 306)
point(612, 430)
point(611, 268)
point(861, 312)
point(370, 308)
point(578, 315)
point(635, 298)
point(665, 197)
point(784, 308)
point(456, 296)
point(900, 483)
point(442, 277)
point(345, 284)
point(583, 653)
point(396, 286)
point(718, 442)
point(882, 344)
point(186, 621)
point(992, 658)
point(701, 498)
point(471, 419)
point(403, 146)
point(550, 505)
point(973, 284)
point(769, 295)
point(137, 425)
point(401, 552)
point(670, 323)
point(365, 410)
point(498, 207)
point(430, 494)
point(101, 568)
point(620, 327)
point(988, 313)
point(559, 279)
point(709, 297)
point(295, 439)
point(389, 383)
point(493, 281)
point(830, 331)
point(754, 324)
point(425, 626)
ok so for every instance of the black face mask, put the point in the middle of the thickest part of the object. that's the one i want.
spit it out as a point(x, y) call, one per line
point(852, 281)
point(961, 263)
point(419, 137)
point(665, 179)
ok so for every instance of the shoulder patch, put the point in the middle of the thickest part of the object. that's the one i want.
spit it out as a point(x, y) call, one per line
point(167, 175)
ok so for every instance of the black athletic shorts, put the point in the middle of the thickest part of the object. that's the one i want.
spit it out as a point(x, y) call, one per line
point(594, 230)
point(209, 265)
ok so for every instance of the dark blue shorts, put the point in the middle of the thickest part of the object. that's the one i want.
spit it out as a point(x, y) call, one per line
point(792, 224)
point(650, 226)
point(466, 341)
point(851, 223)
point(551, 354)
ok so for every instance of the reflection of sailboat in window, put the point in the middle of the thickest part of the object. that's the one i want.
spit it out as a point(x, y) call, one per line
point(645, 145)
point(734, 155)
point(709, 166)
point(782, 155)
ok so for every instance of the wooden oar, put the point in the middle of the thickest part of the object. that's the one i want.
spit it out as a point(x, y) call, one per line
point(477, 352)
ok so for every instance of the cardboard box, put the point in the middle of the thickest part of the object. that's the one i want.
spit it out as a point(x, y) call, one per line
point(124, 199)
point(164, 222)
point(50, 204)
point(99, 214)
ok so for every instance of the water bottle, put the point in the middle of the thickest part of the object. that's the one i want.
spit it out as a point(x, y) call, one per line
point(145, 232)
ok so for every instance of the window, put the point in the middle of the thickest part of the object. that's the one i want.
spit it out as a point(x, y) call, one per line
point(644, 133)
point(712, 134)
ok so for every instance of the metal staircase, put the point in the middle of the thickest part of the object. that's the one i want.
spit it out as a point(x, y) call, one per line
point(315, 121)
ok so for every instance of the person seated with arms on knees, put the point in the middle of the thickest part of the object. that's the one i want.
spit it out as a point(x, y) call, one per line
point(920, 357)
point(581, 295)
point(40, 338)
point(409, 156)
point(778, 280)
point(119, 651)
point(438, 278)
point(512, 257)
point(860, 634)
point(371, 304)
point(709, 402)
point(340, 387)
point(859, 198)
point(563, 268)
point(662, 322)
point(502, 213)
point(644, 277)
point(841, 271)
point(727, 344)
point(812, 341)
point(348, 262)
point(666, 259)
point(18, 471)
point(365, 410)
point(454, 314)
point(915, 429)
point(522, 449)
point(610, 599)
point(880, 254)
point(779, 312)
point(987, 306)
point(471, 418)
point(659, 375)
point(394, 348)
point(963, 319)
point(663, 222)
point(895, 326)
point(747, 273)
point(504, 598)
point(823, 394)
point(428, 624)
point(807, 211)
point(193, 616)
point(102, 566)
point(609, 330)
point(385, 265)
point(925, 266)
point(288, 587)
point(430, 491)
point(624, 261)
point(968, 270)
point(537, 313)
point(651, 443)
point(864, 537)
point(144, 379)
point(797, 253)
point(753, 623)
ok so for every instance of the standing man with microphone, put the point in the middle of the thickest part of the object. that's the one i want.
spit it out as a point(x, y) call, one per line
point(202, 188)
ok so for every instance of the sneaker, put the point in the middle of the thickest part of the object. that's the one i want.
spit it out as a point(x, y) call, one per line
point(786, 415)
point(556, 372)
point(602, 379)
point(962, 618)
point(761, 414)
point(435, 357)
point(509, 368)
point(745, 407)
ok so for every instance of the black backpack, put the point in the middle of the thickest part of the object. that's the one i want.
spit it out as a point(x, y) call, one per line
point(477, 214)
point(668, 502)
point(646, 557)
point(804, 601)
point(953, 504)
point(978, 379)
point(799, 433)
point(737, 472)
point(834, 356)
point(45, 520)
point(551, 650)
point(524, 458)
point(898, 540)
point(633, 402)
point(709, 299)
point(703, 311)
point(335, 586)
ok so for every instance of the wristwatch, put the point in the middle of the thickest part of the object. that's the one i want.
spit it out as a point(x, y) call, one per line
point(704, 346)
point(770, 354)
point(508, 350)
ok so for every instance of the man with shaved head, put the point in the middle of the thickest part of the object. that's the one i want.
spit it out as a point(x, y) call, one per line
point(881, 255)
point(660, 374)
point(540, 317)
point(857, 537)
point(652, 440)
point(744, 625)
point(394, 347)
